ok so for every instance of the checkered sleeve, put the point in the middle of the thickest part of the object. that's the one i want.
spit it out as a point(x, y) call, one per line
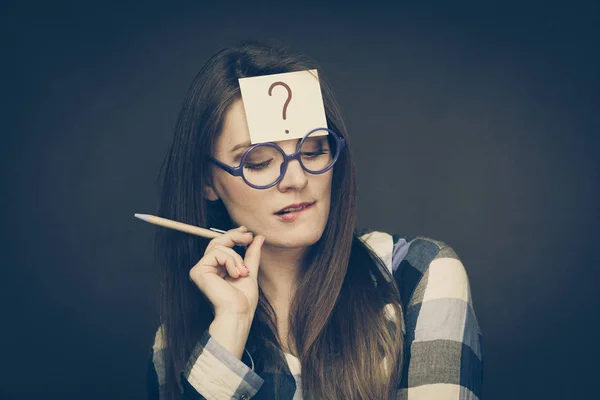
point(216, 374)
point(443, 355)
point(211, 372)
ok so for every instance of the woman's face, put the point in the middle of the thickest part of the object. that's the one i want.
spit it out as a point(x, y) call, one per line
point(256, 209)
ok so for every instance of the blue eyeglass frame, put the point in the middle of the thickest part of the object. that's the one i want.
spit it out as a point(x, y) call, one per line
point(239, 170)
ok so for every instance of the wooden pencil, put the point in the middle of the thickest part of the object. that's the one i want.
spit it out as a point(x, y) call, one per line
point(180, 226)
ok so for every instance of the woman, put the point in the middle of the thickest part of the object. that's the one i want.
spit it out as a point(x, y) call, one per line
point(312, 308)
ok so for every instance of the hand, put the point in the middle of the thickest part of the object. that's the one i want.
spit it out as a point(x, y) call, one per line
point(221, 276)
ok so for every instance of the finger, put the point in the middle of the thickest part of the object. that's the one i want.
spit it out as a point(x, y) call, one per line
point(238, 258)
point(252, 259)
point(231, 238)
point(239, 261)
point(233, 267)
point(226, 237)
point(212, 261)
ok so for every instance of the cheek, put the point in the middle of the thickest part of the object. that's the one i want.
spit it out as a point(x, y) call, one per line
point(325, 183)
point(328, 181)
point(239, 198)
point(231, 190)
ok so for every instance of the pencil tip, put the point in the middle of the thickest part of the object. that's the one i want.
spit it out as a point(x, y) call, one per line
point(141, 216)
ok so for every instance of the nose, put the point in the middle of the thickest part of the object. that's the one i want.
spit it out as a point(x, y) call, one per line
point(295, 177)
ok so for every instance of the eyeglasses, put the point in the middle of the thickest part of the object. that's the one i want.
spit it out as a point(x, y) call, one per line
point(264, 164)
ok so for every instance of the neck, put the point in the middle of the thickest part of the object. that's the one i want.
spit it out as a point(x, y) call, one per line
point(278, 273)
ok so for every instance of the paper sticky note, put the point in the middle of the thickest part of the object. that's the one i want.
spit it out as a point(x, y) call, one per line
point(282, 106)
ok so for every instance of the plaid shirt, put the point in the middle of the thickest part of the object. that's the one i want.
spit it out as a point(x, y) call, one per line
point(443, 354)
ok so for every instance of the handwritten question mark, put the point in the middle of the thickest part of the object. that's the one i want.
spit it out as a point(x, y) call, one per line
point(289, 98)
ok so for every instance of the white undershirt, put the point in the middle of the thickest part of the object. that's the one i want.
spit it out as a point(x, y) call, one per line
point(294, 366)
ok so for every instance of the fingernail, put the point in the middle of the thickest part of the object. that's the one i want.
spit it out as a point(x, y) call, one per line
point(262, 240)
point(247, 269)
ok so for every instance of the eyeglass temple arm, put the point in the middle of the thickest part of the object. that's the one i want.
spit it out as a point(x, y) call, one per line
point(235, 171)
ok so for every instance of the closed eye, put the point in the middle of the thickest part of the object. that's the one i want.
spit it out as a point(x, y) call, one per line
point(258, 166)
point(314, 154)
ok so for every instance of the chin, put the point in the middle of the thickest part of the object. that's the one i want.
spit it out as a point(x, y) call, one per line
point(299, 239)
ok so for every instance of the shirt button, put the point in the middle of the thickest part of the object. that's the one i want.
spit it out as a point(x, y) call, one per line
point(244, 397)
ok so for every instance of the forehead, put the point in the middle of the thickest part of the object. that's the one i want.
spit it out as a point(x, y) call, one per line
point(235, 127)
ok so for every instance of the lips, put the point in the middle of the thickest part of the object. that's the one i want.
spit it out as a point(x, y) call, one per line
point(293, 207)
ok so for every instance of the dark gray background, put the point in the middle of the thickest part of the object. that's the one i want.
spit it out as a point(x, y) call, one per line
point(473, 124)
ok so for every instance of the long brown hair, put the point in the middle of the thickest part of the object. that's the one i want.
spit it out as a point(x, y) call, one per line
point(338, 323)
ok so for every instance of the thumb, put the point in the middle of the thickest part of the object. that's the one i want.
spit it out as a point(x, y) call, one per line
point(252, 257)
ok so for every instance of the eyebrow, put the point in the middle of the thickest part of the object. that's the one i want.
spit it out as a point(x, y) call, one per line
point(240, 146)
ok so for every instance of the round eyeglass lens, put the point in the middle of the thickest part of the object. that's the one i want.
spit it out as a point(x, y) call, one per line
point(318, 151)
point(262, 165)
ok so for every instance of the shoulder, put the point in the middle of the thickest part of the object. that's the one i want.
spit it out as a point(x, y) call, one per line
point(158, 353)
point(394, 249)
point(159, 339)
point(415, 259)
